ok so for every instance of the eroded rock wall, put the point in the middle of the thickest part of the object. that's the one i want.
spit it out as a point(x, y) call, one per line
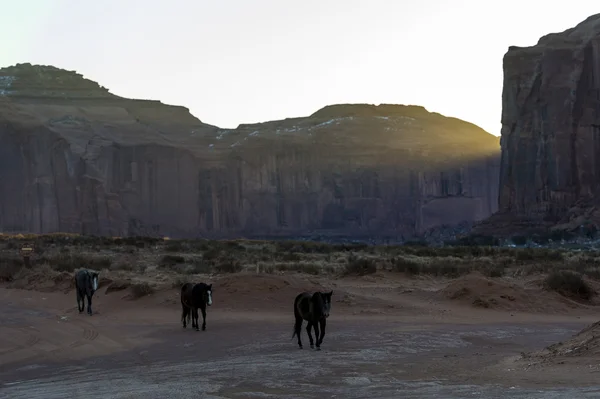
point(86, 161)
point(551, 126)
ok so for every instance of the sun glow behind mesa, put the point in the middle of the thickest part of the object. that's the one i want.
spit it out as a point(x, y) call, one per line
point(235, 61)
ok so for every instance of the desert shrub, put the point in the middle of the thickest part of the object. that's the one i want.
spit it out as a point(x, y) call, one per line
point(9, 267)
point(314, 247)
point(406, 265)
point(141, 242)
point(171, 260)
point(126, 266)
point(125, 262)
point(538, 254)
point(311, 268)
point(569, 284)
point(200, 266)
point(267, 268)
point(179, 282)
point(11, 245)
point(139, 290)
point(118, 285)
point(494, 271)
point(446, 267)
point(211, 253)
point(360, 266)
point(228, 265)
point(591, 272)
point(174, 246)
point(69, 262)
point(291, 257)
point(307, 267)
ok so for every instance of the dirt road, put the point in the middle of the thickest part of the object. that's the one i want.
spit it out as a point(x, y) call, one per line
point(138, 349)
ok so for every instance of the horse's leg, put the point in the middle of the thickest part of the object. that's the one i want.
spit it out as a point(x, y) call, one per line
point(195, 319)
point(298, 325)
point(203, 309)
point(89, 300)
point(323, 323)
point(310, 338)
point(80, 302)
point(316, 325)
point(298, 330)
point(184, 312)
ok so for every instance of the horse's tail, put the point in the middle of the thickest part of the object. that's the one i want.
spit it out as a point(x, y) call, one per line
point(298, 316)
point(296, 328)
point(185, 305)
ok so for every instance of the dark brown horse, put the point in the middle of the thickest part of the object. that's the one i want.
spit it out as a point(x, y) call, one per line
point(194, 296)
point(86, 283)
point(315, 310)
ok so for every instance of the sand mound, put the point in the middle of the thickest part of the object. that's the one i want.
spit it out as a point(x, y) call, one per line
point(584, 344)
point(480, 291)
point(582, 349)
point(252, 290)
point(44, 280)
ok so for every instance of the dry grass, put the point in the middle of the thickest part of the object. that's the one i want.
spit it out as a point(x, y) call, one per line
point(179, 259)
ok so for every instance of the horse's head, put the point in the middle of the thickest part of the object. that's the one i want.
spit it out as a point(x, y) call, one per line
point(94, 276)
point(207, 296)
point(326, 303)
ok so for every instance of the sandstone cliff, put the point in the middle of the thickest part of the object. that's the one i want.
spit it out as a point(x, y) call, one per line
point(76, 158)
point(550, 168)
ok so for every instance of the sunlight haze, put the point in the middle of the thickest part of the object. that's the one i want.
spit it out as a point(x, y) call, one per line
point(242, 61)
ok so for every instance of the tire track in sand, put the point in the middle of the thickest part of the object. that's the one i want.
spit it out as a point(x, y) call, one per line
point(32, 340)
point(90, 334)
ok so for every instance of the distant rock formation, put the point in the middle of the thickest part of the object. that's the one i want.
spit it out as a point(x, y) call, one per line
point(550, 173)
point(76, 158)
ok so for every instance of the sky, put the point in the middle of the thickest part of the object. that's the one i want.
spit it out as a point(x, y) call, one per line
point(248, 61)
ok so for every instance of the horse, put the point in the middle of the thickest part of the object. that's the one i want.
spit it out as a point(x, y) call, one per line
point(86, 283)
point(194, 296)
point(315, 310)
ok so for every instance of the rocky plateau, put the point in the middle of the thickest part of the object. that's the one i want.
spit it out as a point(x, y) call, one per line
point(76, 158)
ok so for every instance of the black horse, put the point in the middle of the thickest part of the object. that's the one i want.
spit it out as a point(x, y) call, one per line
point(194, 296)
point(315, 310)
point(86, 283)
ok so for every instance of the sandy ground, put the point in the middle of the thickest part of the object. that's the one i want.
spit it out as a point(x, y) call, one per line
point(387, 337)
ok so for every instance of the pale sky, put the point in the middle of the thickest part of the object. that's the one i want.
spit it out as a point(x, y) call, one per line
point(246, 61)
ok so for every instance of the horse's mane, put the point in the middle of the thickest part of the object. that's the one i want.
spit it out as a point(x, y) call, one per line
point(201, 286)
point(317, 299)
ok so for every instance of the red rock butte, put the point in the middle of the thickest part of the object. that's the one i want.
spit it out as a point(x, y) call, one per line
point(550, 138)
point(76, 158)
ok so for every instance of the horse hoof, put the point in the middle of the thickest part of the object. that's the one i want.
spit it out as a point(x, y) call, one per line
point(312, 346)
point(318, 348)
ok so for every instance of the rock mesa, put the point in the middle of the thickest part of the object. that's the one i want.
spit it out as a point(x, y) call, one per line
point(76, 158)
